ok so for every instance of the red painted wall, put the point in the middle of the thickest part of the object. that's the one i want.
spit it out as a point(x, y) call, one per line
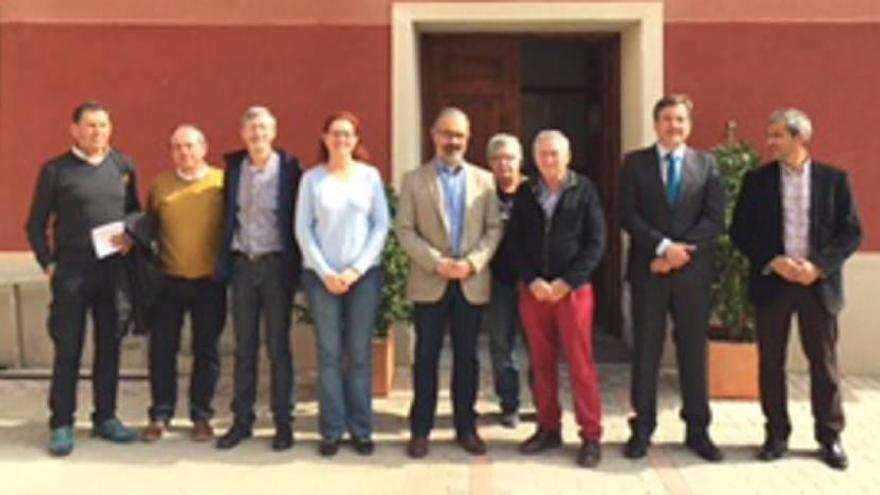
point(377, 11)
point(745, 71)
point(153, 78)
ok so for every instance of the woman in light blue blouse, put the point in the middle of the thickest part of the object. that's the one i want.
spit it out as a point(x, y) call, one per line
point(342, 221)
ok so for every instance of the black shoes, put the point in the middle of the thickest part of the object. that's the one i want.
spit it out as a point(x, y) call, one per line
point(540, 441)
point(328, 447)
point(589, 454)
point(773, 449)
point(636, 447)
point(701, 444)
point(237, 433)
point(233, 436)
point(704, 447)
point(832, 454)
point(363, 446)
point(283, 439)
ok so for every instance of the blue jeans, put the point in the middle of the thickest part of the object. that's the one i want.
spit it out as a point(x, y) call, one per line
point(504, 327)
point(344, 327)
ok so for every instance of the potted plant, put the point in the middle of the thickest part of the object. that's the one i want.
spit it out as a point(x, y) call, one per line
point(733, 354)
point(394, 309)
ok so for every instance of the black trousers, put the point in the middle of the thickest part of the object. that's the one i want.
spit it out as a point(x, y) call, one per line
point(451, 311)
point(205, 301)
point(818, 333)
point(685, 297)
point(79, 287)
point(259, 293)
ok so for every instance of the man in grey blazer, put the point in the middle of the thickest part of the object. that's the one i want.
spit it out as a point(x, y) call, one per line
point(672, 207)
point(449, 224)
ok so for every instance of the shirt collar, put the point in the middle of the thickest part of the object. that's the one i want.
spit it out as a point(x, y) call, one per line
point(677, 153)
point(791, 171)
point(200, 174)
point(271, 165)
point(444, 168)
point(567, 182)
point(91, 160)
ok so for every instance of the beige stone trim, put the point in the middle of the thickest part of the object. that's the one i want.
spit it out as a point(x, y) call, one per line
point(639, 24)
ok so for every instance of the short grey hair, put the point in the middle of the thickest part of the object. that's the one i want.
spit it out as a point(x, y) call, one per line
point(450, 112)
point(256, 112)
point(200, 136)
point(552, 134)
point(796, 121)
point(504, 140)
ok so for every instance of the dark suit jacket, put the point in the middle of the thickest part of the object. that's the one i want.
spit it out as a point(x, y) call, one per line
point(646, 215)
point(835, 230)
point(288, 185)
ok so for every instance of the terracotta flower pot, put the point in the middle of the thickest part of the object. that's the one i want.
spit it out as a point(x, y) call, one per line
point(733, 370)
point(383, 365)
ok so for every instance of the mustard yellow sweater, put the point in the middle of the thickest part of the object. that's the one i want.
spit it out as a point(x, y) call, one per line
point(190, 222)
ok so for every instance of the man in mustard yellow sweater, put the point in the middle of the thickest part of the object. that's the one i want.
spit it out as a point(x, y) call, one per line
point(188, 204)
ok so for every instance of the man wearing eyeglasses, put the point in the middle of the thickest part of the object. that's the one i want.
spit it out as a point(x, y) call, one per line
point(449, 224)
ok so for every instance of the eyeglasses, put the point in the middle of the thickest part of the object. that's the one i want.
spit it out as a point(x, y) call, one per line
point(506, 157)
point(452, 134)
point(341, 134)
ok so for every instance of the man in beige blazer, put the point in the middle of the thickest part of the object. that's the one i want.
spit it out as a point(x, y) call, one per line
point(449, 224)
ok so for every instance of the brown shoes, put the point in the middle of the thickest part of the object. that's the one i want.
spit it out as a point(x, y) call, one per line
point(202, 431)
point(417, 447)
point(589, 454)
point(153, 431)
point(540, 441)
point(472, 444)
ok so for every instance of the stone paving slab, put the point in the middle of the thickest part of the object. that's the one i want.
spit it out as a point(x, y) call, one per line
point(176, 465)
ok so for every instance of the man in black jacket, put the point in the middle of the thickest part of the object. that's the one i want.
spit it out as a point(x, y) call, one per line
point(89, 186)
point(556, 237)
point(797, 223)
point(672, 207)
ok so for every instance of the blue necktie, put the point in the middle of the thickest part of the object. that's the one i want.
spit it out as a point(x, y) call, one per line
point(673, 178)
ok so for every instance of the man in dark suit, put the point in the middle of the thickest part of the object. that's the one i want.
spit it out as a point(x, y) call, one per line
point(262, 263)
point(672, 207)
point(796, 222)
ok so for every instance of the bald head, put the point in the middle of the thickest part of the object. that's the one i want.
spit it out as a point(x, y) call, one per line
point(188, 148)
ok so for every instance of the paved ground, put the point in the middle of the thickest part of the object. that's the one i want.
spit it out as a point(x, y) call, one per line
point(175, 465)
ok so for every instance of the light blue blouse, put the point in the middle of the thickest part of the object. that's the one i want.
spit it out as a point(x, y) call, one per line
point(339, 224)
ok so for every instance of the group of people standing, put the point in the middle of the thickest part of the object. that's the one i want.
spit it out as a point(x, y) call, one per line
point(522, 251)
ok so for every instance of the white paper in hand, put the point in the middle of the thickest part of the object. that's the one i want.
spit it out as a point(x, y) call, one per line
point(101, 238)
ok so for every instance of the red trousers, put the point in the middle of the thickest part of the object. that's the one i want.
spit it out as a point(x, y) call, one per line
point(569, 323)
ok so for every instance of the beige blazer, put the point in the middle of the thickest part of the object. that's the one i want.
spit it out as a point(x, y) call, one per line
point(422, 227)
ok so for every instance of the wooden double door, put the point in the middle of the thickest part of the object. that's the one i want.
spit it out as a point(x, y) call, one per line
point(520, 84)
